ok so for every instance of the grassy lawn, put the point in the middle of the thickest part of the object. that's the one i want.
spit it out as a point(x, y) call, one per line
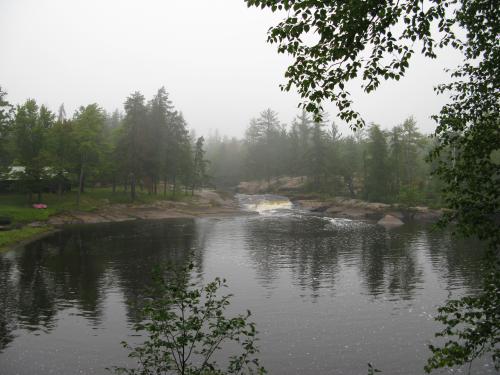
point(14, 236)
point(16, 207)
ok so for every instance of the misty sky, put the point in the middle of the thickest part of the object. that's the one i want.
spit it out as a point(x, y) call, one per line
point(211, 55)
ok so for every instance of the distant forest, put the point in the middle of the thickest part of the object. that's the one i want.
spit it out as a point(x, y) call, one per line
point(149, 146)
point(373, 164)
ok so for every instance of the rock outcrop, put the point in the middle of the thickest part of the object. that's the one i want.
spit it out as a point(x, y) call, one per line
point(390, 221)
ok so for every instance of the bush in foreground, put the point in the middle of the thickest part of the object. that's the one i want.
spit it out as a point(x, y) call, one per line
point(186, 328)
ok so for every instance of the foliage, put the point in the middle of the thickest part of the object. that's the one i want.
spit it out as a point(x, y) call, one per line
point(200, 165)
point(377, 168)
point(30, 128)
point(333, 42)
point(409, 196)
point(6, 112)
point(187, 328)
point(372, 370)
point(472, 326)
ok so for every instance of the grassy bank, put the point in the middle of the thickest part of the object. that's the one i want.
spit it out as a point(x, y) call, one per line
point(15, 236)
point(16, 207)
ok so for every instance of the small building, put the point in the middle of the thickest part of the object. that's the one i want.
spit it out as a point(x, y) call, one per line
point(11, 180)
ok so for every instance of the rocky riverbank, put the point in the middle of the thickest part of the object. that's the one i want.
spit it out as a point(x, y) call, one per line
point(385, 214)
point(206, 203)
point(362, 210)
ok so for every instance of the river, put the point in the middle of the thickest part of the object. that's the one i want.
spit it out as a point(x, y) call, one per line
point(328, 295)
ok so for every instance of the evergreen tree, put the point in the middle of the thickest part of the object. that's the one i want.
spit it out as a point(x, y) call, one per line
point(177, 149)
point(132, 141)
point(6, 114)
point(31, 125)
point(89, 122)
point(262, 140)
point(159, 111)
point(377, 168)
point(61, 149)
point(200, 165)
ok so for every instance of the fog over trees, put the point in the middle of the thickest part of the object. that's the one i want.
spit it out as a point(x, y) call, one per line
point(374, 164)
point(149, 146)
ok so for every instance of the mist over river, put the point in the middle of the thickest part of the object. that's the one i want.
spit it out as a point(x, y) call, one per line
point(328, 295)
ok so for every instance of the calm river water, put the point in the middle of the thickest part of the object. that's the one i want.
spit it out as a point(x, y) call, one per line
point(328, 295)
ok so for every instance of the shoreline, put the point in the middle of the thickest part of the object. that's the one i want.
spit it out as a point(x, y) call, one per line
point(356, 209)
point(340, 206)
point(207, 204)
point(212, 204)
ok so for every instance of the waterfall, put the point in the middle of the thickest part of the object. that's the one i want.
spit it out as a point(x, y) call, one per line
point(264, 204)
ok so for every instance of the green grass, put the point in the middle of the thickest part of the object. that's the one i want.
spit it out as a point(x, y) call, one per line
point(14, 236)
point(16, 207)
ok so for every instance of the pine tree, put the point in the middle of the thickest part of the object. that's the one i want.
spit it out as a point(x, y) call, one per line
point(377, 168)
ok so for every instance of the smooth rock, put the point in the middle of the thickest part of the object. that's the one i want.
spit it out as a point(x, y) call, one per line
point(390, 221)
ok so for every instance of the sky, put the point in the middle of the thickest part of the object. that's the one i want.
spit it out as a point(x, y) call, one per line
point(211, 56)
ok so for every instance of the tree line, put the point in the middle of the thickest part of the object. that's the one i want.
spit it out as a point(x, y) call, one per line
point(148, 146)
point(373, 164)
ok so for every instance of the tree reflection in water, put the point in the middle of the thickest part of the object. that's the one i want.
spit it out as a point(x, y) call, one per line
point(76, 267)
point(387, 259)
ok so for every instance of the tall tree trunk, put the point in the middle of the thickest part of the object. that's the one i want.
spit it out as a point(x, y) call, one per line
point(114, 184)
point(132, 187)
point(165, 187)
point(174, 185)
point(80, 186)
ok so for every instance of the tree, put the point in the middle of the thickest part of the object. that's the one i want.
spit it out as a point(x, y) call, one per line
point(132, 139)
point(317, 154)
point(187, 326)
point(377, 171)
point(303, 125)
point(61, 147)
point(159, 111)
point(30, 129)
point(6, 114)
point(178, 149)
point(262, 138)
point(199, 165)
point(88, 130)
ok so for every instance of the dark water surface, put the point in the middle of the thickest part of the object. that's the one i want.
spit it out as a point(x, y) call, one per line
point(328, 295)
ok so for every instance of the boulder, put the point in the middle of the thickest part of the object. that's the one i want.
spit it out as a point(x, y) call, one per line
point(5, 220)
point(390, 221)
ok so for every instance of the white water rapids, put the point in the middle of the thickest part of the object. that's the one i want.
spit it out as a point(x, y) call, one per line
point(265, 203)
point(277, 205)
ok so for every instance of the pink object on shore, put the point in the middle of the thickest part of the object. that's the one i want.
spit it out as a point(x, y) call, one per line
point(39, 205)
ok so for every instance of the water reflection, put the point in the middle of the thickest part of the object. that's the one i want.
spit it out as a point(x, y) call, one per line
point(389, 262)
point(75, 268)
point(355, 273)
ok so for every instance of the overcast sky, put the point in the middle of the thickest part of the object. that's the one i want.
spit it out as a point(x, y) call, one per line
point(211, 55)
